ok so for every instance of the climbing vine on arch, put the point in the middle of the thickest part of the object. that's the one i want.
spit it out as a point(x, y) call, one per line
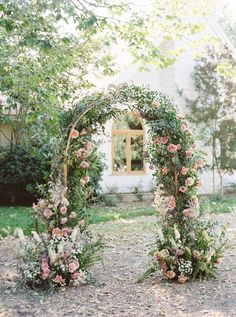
point(186, 247)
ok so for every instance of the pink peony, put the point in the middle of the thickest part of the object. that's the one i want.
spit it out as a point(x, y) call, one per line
point(47, 213)
point(73, 215)
point(187, 213)
point(73, 266)
point(85, 180)
point(59, 279)
point(170, 274)
point(84, 164)
point(184, 170)
point(164, 139)
point(182, 279)
point(63, 220)
point(165, 170)
point(74, 134)
point(171, 202)
point(63, 210)
point(172, 148)
point(189, 181)
point(189, 153)
point(183, 189)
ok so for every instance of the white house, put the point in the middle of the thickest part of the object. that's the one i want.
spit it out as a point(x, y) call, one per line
point(116, 145)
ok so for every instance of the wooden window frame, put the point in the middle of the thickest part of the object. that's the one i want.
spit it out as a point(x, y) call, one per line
point(128, 134)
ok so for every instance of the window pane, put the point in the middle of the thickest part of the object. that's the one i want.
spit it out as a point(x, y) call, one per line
point(137, 163)
point(128, 121)
point(120, 164)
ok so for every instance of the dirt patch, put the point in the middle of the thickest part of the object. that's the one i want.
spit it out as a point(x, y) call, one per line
point(116, 292)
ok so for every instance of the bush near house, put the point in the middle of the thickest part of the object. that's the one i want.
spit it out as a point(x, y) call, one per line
point(20, 172)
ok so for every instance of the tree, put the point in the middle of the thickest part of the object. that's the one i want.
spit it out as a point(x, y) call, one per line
point(213, 111)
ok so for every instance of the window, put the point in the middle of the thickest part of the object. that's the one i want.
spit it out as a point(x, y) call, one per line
point(128, 145)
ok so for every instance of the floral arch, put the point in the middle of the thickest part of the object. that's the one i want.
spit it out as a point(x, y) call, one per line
point(186, 247)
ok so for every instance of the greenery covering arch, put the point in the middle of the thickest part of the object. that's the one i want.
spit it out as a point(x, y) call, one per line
point(186, 247)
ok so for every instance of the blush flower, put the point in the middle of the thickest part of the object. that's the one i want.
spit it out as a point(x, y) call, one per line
point(165, 170)
point(82, 153)
point(189, 181)
point(63, 210)
point(74, 275)
point(170, 274)
point(74, 134)
point(178, 147)
point(63, 220)
point(197, 255)
point(172, 148)
point(73, 266)
point(182, 279)
point(85, 180)
point(187, 213)
point(156, 104)
point(88, 146)
point(184, 127)
point(59, 279)
point(48, 213)
point(73, 215)
point(164, 266)
point(184, 170)
point(84, 165)
point(164, 139)
point(171, 202)
point(189, 153)
point(183, 189)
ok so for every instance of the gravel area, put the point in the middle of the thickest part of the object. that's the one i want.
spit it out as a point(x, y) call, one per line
point(116, 292)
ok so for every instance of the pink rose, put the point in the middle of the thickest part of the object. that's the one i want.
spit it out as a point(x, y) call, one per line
point(88, 146)
point(84, 165)
point(73, 215)
point(172, 148)
point(73, 266)
point(47, 213)
point(164, 139)
point(74, 275)
point(74, 134)
point(184, 170)
point(59, 279)
point(46, 273)
point(165, 170)
point(171, 202)
point(85, 180)
point(82, 153)
point(184, 127)
point(187, 213)
point(66, 231)
point(189, 181)
point(63, 220)
point(63, 210)
point(183, 189)
point(182, 279)
point(170, 274)
point(189, 153)
point(164, 266)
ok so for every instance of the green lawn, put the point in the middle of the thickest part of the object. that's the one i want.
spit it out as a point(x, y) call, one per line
point(13, 217)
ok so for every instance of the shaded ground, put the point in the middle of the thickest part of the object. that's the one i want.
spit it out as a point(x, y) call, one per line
point(125, 258)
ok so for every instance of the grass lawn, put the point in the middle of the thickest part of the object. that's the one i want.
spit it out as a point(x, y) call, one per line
point(13, 217)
